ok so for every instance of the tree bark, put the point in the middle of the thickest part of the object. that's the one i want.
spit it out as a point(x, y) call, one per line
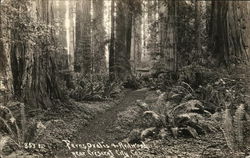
point(123, 39)
point(168, 35)
point(33, 68)
point(198, 28)
point(98, 37)
point(83, 54)
point(136, 44)
point(6, 85)
point(112, 44)
point(227, 27)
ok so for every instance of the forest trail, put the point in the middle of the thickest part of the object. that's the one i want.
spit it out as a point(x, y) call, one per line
point(102, 128)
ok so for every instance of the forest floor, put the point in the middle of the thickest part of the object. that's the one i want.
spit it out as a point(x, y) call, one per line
point(111, 127)
point(101, 129)
point(105, 135)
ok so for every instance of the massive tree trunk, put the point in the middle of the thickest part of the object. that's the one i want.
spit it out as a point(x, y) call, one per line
point(138, 39)
point(198, 27)
point(136, 46)
point(83, 54)
point(112, 44)
point(6, 87)
point(168, 34)
point(32, 65)
point(152, 30)
point(123, 39)
point(120, 47)
point(248, 27)
point(129, 25)
point(98, 37)
point(172, 36)
point(227, 31)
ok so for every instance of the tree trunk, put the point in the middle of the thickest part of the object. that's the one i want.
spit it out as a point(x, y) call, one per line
point(112, 44)
point(198, 28)
point(138, 39)
point(168, 35)
point(123, 39)
point(152, 19)
point(6, 85)
point(83, 54)
point(136, 46)
point(227, 28)
point(98, 37)
point(33, 68)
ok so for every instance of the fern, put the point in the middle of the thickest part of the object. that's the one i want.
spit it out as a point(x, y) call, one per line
point(8, 122)
point(228, 129)
point(23, 120)
point(160, 106)
point(238, 123)
point(189, 106)
point(159, 119)
point(7, 127)
point(182, 118)
point(3, 141)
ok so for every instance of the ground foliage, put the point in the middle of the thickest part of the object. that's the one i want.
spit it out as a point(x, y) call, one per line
point(47, 128)
point(94, 87)
point(200, 102)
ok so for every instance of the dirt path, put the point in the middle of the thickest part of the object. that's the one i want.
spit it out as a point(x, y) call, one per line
point(102, 127)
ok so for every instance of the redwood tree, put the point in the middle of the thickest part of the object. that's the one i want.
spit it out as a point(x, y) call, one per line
point(83, 54)
point(98, 35)
point(32, 65)
point(227, 31)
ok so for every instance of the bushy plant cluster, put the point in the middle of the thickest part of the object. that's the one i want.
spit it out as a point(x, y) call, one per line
point(188, 107)
point(12, 131)
point(95, 87)
point(177, 112)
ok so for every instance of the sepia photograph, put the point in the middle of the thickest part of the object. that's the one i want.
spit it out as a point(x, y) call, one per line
point(124, 79)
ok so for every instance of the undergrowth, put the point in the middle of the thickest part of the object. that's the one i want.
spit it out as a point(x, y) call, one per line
point(190, 107)
point(11, 130)
point(95, 87)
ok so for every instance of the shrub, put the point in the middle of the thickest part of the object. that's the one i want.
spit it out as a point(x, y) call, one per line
point(182, 117)
point(233, 127)
point(11, 135)
point(95, 87)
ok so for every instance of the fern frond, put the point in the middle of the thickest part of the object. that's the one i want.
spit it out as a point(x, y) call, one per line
point(152, 114)
point(160, 99)
point(191, 105)
point(3, 141)
point(228, 130)
point(189, 87)
point(23, 120)
point(192, 131)
point(7, 127)
point(189, 117)
point(238, 123)
point(142, 105)
point(147, 132)
point(13, 121)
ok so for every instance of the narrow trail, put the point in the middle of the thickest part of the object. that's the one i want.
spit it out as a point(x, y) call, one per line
point(102, 127)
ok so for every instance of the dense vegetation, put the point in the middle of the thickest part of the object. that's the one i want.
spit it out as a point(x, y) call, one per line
point(62, 63)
